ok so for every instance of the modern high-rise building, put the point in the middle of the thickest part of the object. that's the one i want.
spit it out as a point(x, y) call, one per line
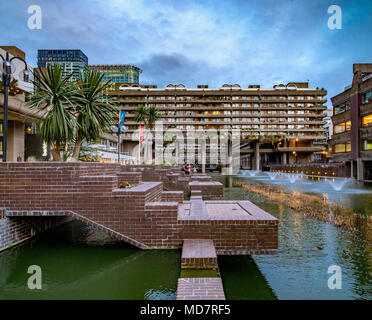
point(352, 123)
point(72, 61)
point(125, 73)
point(279, 125)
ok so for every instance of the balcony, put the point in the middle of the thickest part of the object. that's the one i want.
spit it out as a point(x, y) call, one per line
point(366, 132)
point(341, 137)
point(341, 117)
point(366, 109)
point(366, 155)
point(300, 149)
point(343, 156)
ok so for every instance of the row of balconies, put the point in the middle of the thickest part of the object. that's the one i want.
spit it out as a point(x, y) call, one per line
point(312, 115)
point(218, 100)
point(226, 106)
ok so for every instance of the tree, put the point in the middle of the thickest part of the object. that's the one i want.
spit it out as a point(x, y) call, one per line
point(148, 116)
point(152, 116)
point(95, 113)
point(141, 114)
point(57, 97)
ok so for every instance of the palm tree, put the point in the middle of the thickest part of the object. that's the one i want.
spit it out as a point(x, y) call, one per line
point(148, 116)
point(141, 114)
point(152, 116)
point(95, 113)
point(56, 97)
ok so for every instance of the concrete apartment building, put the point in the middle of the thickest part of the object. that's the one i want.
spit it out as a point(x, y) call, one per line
point(352, 121)
point(279, 125)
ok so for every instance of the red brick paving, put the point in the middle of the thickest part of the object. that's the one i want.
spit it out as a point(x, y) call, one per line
point(200, 289)
point(198, 254)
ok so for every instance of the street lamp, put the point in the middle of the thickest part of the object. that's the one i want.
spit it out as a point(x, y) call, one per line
point(116, 128)
point(8, 70)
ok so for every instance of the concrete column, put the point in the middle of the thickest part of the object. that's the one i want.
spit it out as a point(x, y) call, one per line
point(257, 156)
point(351, 169)
point(284, 158)
point(16, 141)
point(203, 154)
point(360, 169)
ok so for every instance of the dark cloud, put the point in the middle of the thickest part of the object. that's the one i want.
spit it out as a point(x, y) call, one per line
point(203, 42)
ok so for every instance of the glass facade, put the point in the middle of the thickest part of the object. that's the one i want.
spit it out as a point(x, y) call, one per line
point(72, 61)
point(118, 74)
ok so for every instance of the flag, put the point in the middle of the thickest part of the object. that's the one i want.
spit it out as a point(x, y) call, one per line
point(141, 129)
point(121, 119)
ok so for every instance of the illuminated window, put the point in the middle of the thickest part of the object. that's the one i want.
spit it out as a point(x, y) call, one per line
point(342, 147)
point(342, 127)
point(367, 121)
point(339, 128)
point(348, 125)
point(367, 144)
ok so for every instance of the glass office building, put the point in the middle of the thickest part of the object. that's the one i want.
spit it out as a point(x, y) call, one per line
point(71, 60)
point(118, 73)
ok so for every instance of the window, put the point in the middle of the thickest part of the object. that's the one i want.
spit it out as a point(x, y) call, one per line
point(342, 127)
point(342, 147)
point(367, 144)
point(367, 97)
point(367, 121)
point(342, 107)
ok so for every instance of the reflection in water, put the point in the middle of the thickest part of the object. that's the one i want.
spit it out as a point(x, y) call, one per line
point(307, 247)
point(78, 263)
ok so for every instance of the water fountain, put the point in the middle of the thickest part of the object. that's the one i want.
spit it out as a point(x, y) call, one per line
point(253, 173)
point(272, 175)
point(338, 184)
point(293, 177)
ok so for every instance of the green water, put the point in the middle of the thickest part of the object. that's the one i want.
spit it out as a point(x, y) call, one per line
point(79, 263)
point(307, 248)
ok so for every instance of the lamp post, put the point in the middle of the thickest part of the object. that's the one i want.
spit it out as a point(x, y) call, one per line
point(116, 128)
point(8, 70)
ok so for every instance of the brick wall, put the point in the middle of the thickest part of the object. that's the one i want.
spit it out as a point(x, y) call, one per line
point(172, 196)
point(16, 230)
point(145, 216)
point(129, 177)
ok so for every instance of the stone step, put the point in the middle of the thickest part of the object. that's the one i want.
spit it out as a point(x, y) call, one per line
point(198, 254)
point(200, 289)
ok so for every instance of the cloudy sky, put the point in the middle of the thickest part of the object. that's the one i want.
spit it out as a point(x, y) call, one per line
point(211, 42)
